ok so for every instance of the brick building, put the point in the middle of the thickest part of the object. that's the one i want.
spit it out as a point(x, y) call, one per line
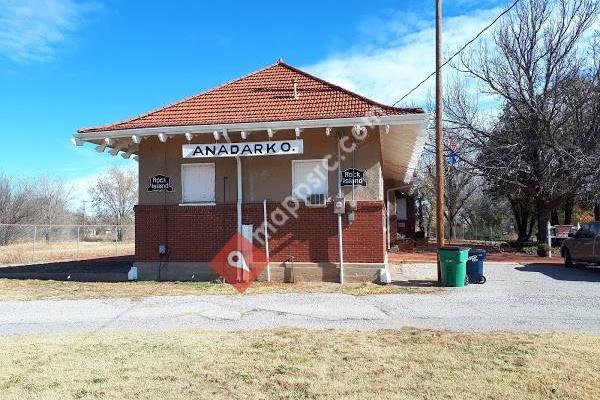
point(320, 167)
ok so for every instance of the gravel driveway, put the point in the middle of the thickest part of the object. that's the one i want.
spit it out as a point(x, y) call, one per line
point(535, 297)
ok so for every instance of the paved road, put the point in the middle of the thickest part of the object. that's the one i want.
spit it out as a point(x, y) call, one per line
point(516, 298)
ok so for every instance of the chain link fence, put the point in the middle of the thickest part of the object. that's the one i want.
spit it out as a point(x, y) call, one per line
point(27, 244)
point(486, 233)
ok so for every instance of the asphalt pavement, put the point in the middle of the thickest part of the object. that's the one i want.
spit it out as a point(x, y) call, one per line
point(533, 297)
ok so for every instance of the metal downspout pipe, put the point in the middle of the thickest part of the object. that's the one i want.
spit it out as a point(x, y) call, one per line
point(238, 163)
point(339, 216)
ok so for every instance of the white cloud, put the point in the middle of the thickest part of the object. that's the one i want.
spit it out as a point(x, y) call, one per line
point(79, 187)
point(31, 30)
point(398, 54)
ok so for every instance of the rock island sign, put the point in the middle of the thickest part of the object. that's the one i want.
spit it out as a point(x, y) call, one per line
point(160, 183)
point(353, 177)
point(246, 149)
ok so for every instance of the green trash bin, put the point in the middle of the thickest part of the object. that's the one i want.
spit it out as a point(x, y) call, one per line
point(453, 262)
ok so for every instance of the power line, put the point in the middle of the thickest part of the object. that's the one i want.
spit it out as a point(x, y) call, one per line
point(459, 50)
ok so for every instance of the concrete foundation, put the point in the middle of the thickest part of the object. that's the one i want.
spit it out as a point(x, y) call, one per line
point(280, 272)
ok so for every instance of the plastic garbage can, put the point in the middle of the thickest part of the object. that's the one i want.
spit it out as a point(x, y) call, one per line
point(475, 266)
point(453, 262)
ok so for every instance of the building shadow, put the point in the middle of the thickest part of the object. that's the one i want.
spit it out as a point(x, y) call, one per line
point(562, 273)
point(110, 269)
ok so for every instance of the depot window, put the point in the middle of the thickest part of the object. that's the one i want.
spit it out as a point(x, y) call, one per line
point(198, 183)
point(309, 177)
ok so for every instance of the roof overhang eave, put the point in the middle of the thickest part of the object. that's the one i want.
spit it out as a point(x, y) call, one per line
point(421, 119)
point(401, 151)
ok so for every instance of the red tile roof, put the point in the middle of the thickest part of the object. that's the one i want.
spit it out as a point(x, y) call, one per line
point(263, 96)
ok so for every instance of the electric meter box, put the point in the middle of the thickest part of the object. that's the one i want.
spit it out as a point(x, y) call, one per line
point(339, 205)
point(353, 205)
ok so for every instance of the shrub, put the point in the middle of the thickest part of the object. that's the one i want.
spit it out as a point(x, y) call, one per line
point(543, 249)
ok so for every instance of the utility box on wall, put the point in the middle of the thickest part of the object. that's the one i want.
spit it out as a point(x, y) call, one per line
point(339, 205)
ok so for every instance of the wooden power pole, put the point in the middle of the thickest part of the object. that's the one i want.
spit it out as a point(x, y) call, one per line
point(439, 133)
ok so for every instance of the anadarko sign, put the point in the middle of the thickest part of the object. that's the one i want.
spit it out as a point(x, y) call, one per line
point(273, 148)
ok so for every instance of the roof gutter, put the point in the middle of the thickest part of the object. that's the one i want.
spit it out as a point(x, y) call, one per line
point(410, 119)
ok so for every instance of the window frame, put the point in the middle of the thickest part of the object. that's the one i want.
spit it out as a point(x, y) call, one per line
point(198, 203)
point(320, 160)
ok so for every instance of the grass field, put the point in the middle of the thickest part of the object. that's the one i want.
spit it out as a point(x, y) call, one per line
point(24, 253)
point(297, 364)
point(14, 289)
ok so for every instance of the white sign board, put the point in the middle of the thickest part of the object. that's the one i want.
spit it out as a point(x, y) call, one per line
point(244, 149)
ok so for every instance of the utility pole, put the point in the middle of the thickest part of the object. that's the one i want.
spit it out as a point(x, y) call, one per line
point(84, 201)
point(439, 133)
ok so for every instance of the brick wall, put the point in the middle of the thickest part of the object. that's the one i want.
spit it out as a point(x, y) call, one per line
point(197, 233)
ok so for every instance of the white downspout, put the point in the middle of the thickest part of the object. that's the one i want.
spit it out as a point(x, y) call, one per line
point(340, 230)
point(267, 241)
point(238, 162)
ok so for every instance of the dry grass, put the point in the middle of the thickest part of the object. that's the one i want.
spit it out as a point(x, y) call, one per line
point(14, 289)
point(298, 364)
point(22, 253)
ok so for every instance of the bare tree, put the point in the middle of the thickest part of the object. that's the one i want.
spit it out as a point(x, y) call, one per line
point(541, 144)
point(114, 195)
point(460, 188)
point(17, 206)
point(51, 198)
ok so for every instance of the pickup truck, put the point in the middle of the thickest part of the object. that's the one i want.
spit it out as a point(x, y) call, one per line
point(583, 245)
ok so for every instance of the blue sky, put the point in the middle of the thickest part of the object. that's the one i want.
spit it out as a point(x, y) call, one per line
point(66, 64)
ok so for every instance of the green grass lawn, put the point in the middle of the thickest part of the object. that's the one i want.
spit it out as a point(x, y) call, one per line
point(299, 364)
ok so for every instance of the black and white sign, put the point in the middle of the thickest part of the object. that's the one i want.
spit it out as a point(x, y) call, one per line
point(354, 176)
point(160, 183)
point(246, 149)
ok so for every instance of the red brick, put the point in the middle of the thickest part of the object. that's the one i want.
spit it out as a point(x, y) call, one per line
point(197, 233)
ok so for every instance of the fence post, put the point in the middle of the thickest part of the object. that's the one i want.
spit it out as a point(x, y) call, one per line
point(116, 240)
point(549, 240)
point(77, 242)
point(33, 244)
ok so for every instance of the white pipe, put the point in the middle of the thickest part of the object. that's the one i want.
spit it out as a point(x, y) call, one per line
point(267, 241)
point(340, 230)
point(238, 163)
point(341, 248)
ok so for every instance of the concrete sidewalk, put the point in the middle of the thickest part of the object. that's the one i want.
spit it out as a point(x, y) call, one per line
point(535, 297)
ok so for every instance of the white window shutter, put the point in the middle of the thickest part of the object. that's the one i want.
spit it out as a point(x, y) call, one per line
point(198, 183)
